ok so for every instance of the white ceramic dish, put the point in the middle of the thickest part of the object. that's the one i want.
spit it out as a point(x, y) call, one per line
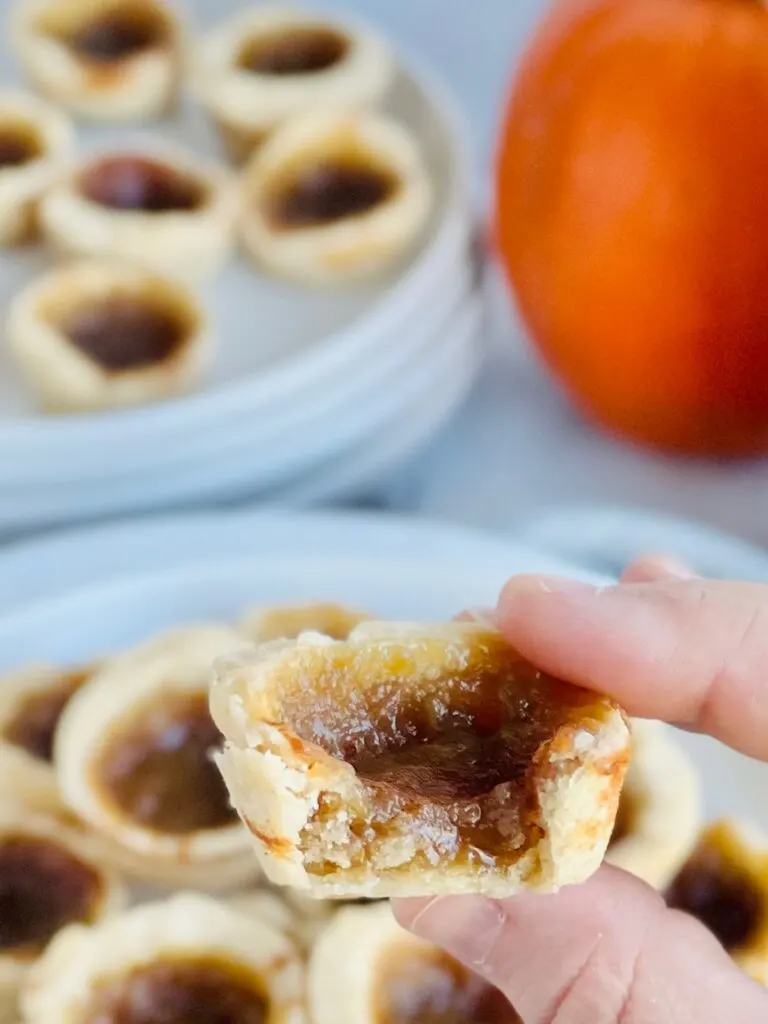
point(448, 371)
point(117, 586)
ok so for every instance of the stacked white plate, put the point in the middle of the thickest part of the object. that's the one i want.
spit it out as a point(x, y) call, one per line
point(315, 394)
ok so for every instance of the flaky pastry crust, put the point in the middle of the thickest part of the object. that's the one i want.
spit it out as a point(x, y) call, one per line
point(18, 822)
point(352, 956)
point(247, 100)
point(189, 243)
point(412, 760)
point(660, 810)
point(126, 700)
point(48, 136)
point(66, 377)
point(288, 621)
point(186, 928)
point(142, 84)
point(341, 245)
point(724, 883)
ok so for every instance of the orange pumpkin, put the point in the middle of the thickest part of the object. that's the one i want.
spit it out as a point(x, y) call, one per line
point(632, 215)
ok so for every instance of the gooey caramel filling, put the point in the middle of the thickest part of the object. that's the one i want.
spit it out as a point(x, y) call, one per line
point(33, 727)
point(719, 895)
point(293, 51)
point(190, 991)
point(125, 333)
point(156, 767)
point(118, 34)
point(43, 887)
point(432, 988)
point(450, 761)
point(19, 145)
point(139, 184)
point(329, 190)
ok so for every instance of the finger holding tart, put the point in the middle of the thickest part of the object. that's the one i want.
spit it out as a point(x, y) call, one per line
point(36, 140)
point(32, 701)
point(188, 958)
point(105, 60)
point(165, 210)
point(388, 976)
point(288, 621)
point(724, 885)
point(95, 335)
point(660, 810)
point(50, 877)
point(334, 198)
point(133, 757)
point(271, 63)
point(414, 760)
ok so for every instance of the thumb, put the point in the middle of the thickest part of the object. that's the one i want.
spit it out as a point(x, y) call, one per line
point(607, 952)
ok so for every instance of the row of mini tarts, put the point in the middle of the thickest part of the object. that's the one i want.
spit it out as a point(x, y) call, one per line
point(333, 197)
point(123, 60)
point(123, 745)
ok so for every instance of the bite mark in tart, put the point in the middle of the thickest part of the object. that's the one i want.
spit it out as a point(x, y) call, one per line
point(32, 701)
point(98, 335)
point(724, 885)
point(286, 622)
point(49, 878)
point(185, 959)
point(105, 60)
point(413, 760)
point(166, 211)
point(35, 140)
point(134, 761)
point(366, 969)
point(334, 198)
point(271, 64)
point(660, 808)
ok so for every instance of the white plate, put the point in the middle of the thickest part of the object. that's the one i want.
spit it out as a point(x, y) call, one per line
point(450, 368)
point(291, 423)
point(153, 576)
point(277, 340)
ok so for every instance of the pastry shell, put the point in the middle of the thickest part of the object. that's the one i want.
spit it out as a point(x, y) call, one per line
point(84, 966)
point(84, 298)
point(725, 880)
point(350, 67)
point(26, 758)
point(334, 197)
point(288, 621)
point(160, 207)
point(355, 955)
point(109, 737)
point(18, 823)
point(660, 811)
point(331, 752)
point(140, 83)
point(35, 142)
point(266, 906)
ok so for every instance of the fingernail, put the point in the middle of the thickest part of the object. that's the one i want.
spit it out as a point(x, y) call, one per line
point(671, 566)
point(467, 926)
point(549, 585)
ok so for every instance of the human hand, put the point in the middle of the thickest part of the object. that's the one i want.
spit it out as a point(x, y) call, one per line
point(669, 646)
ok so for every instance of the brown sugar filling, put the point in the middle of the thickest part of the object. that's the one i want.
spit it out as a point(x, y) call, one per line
point(43, 887)
point(126, 333)
point(19, 145)
point(118, 34)
point(432, 988)
point(33, 727)
point(156, 767)
point(190, 991)
point(293, 51)
point(719, 895)
point(142, 185)
point(329, 190)
point(448, 765)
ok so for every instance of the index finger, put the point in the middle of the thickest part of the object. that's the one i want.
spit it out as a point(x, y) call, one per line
point(690, 652)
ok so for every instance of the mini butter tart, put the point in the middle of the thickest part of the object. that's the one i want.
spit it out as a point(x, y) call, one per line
point(288, 621)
